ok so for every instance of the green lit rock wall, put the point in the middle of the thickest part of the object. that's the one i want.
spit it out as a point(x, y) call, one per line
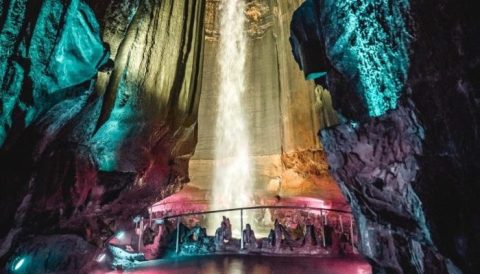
point(153, 82)
point(86, 142)
point(42, 56)
point(411, 174)
point(365, 41)
point(368, 40)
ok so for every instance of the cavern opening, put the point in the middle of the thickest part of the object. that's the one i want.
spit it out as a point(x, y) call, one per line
point(239, 136)
point(257, 143)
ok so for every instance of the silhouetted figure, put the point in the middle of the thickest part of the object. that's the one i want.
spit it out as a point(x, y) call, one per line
point(223, 234)
point(343, 243)
point(148, 236)
point(271, 238)
point(310, 238)
point(328, 232)
point(249, 237)
point(228, 232)
point(281, 236)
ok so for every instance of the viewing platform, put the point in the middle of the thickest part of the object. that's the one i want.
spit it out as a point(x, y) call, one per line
point(272, 231)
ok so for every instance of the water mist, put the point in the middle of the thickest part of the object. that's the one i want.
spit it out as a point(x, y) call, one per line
point(233, 180)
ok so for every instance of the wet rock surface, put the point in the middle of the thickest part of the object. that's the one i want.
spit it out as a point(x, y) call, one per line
point(410, 174)
point(283, 112)
point(317, 240)
point(82, 151)
point(54, 254)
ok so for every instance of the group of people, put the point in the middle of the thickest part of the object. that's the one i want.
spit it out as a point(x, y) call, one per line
point(282, 237)
point(223, 234)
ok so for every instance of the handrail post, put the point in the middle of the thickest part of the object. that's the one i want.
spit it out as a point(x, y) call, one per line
point(150, 213)
point(177, 242)
point(140, 235)
point(241, 230)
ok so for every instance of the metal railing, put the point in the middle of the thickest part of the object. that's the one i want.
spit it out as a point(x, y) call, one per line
point(178, 217)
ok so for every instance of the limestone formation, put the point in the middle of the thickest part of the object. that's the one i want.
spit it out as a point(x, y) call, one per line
point(407, 88)
point(282, 109)
point(86, 149)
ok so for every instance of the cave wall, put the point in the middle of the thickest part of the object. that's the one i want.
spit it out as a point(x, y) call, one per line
point(409, 170)
point(83, 150)
point(283, 111)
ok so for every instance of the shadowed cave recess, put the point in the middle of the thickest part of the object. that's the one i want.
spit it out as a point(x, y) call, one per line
point(369, 110)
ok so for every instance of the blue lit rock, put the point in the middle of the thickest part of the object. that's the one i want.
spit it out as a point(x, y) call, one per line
point(56, 253)
point(410, 171)
point(64, 49)
point(124, 259)
point(81, 150)
point(51, 52)
point(79, 52)
point(366, 42)
point(375, 165)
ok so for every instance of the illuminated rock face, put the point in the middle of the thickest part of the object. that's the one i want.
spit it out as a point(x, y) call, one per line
point(375, 163)
point(366, 40)
point(281, 108)
point(57, 253)
point(83, 151)
point(48, 64)
point(410, 174)
point(76, 143)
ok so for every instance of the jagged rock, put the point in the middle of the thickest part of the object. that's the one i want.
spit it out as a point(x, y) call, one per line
point(375, 165)
point(310, 238)
point(281, 108)
point(410, 174)
point(54, 254)
point(123, 259)
point(365, 42)
point(84, 148)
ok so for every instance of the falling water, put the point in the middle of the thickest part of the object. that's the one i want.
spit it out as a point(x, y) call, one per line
point(232, 186)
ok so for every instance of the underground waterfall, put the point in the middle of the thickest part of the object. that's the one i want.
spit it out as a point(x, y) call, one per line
point(352, 127)
point(232, 178)
point(233, 181)
point(256, 143)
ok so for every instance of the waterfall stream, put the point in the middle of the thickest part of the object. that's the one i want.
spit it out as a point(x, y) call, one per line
point(233, 180)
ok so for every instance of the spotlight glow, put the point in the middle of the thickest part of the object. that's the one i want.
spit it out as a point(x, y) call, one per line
point(316, 75)
point(19, 264)
point(101, 257)
point(120, 235)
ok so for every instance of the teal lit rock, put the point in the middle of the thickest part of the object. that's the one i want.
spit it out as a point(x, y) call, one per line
point(78, 52)
point(366, 42)
point(62, 50)
point(316, 75)
point(111, 136)
point(53, 147)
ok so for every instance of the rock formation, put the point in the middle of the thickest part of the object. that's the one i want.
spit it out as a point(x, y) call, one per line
point(402, 73)
point(82, 151)
point(100, 108)
point(283, 111)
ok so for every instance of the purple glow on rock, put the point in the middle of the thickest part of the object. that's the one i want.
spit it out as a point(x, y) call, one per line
point(258, 265)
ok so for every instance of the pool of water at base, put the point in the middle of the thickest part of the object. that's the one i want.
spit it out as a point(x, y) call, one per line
point(253, 265)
